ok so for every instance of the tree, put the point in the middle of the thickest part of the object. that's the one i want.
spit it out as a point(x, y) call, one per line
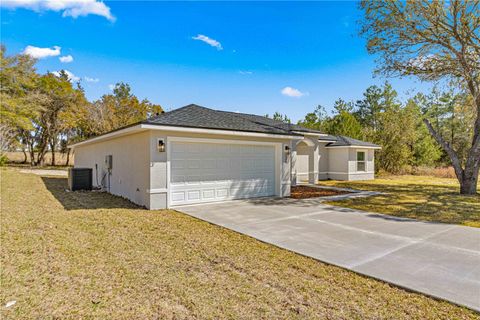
point(20, 102)
point(396, 127)
point(424, 150)
point(452, 116)
point(396, 131)
point(368, 109)
point(434, 41)
point(280, 117)
point(52, 120)
point(344, 123)
point(113, 111)
point(47, 112)
point(315, 120)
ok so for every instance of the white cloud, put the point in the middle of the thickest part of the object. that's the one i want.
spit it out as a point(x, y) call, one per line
point(71, 76)
point(66, 59)
point(209, 41)
point(292, 92)
point(111, 86)
point(40, 53)
point(244, 72)
point(88, 79)
point(69, 8)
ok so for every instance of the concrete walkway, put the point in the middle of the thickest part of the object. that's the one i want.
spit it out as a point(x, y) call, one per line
point(46, 172)
point(440, 260)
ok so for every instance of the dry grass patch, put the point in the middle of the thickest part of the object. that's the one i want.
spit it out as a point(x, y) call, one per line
point(92, 255)
point(305, 192)
point(17, 157)
point(418, 197)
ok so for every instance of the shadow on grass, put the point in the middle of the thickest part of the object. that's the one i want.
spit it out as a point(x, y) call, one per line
point(58, 187)
point(429, 202)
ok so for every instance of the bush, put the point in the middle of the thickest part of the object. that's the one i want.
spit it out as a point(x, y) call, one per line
point(3, 160)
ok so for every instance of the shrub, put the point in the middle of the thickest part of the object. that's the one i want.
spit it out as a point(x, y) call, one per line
point(3, 160)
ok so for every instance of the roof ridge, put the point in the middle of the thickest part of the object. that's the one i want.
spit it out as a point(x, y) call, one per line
point(241, 114)
point(158, 115)
point(289, 126)
point(199, 113)
point(273, 120)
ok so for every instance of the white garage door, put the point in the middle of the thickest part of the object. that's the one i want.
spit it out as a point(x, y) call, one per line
point(206, 172)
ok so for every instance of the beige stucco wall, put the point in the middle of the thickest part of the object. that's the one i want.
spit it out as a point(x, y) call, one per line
point(343, 164)
point(130, 171)
point(338, 161)
point(303, 161)
point(323, 162)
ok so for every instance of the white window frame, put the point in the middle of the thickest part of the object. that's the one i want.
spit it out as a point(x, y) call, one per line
point(360, 161)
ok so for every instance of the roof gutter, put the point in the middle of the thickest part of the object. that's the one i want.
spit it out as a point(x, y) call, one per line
point(306, 133)
point(353, 146)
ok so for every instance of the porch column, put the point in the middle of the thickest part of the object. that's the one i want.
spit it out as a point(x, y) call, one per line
point(313, 164)
point(293, 163)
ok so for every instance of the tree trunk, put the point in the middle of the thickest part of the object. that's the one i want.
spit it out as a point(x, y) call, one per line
point(32, 158)
point(32, 153)
point(41, 158)
point(68, 157)
point(25, 157)
point(42, 150)
point(468, 185)
point(468, 177)
point(52, 149)
point(472, 168)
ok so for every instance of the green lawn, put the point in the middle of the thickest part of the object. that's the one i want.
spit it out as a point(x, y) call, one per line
point(417, 197)
point(92, 255)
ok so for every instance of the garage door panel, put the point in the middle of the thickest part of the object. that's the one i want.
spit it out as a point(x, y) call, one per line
point(193, 195)
point(208, 164)
point(177, 180)
point(178, 196)
point(179, 164)
point(204, 172)
point(208, 194)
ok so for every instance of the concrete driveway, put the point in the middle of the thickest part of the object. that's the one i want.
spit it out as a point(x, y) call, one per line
point(440, 260)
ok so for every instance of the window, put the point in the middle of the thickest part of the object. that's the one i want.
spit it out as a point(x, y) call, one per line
point(360, 160)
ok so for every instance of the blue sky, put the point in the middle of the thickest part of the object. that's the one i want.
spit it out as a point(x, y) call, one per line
point(245, 54)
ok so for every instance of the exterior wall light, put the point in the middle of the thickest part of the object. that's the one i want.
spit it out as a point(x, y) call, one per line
point(161, 145)
point(287, 153)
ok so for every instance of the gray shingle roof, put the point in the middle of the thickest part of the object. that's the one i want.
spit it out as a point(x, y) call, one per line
point(343, 141)
point(201, 117)
point(328, 137)
point(194, 116)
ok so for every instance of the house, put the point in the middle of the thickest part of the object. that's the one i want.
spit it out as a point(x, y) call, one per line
point(195, 154)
